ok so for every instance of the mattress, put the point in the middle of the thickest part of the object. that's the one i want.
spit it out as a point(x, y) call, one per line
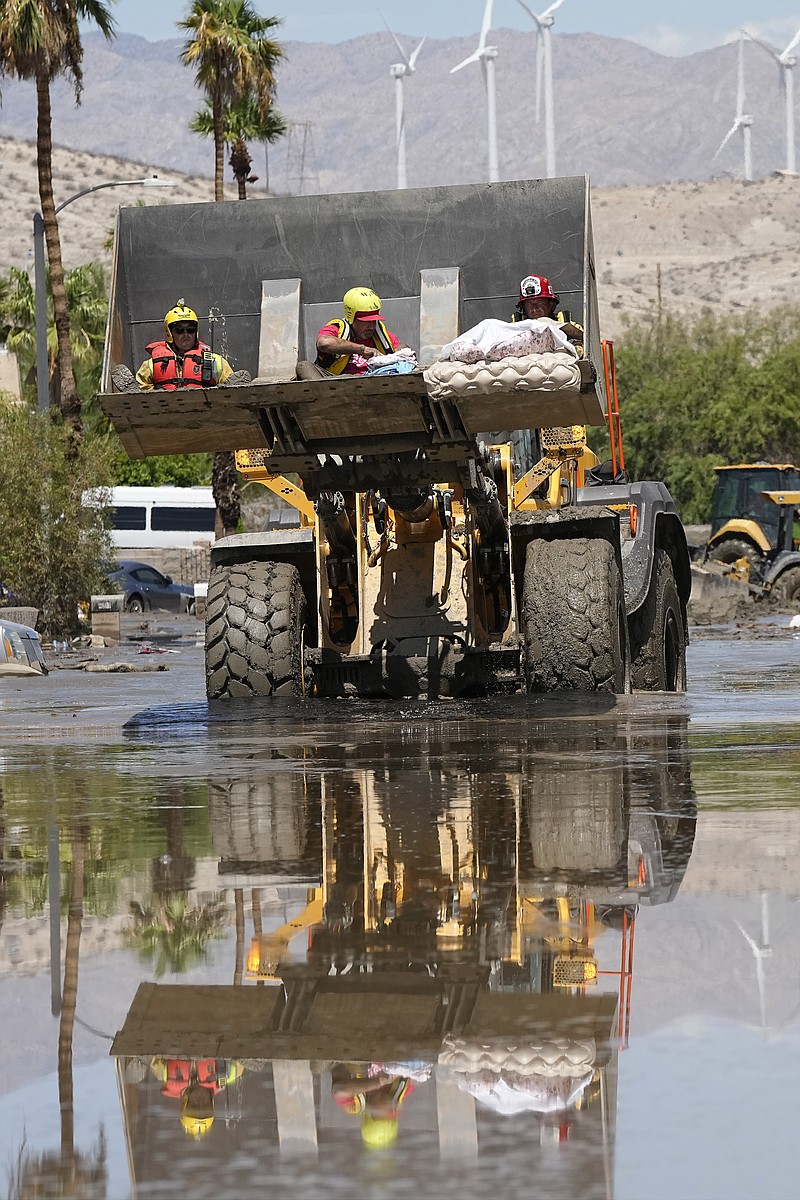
point(553, 371)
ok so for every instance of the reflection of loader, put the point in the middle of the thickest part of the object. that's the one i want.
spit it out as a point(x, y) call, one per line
point(432, 558)
point(464, 925)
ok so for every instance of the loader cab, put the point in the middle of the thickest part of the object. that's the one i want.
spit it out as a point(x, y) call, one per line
point(744, 520)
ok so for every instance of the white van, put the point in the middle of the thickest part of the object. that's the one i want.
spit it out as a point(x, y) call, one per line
point(169, 517)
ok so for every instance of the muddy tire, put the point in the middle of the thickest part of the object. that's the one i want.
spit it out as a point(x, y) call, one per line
point(255, 616)
point(730, 549)
point(786, 589)
point(658, 634)
point(573, 617)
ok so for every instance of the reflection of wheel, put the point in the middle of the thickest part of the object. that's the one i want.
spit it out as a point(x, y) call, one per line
point(658, 633)
point(729, 549)
point(134, 604)
point(573, 614)
point(255, 614)
point(786, 588)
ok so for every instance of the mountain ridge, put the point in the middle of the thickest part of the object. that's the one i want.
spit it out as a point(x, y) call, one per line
point(625, 114)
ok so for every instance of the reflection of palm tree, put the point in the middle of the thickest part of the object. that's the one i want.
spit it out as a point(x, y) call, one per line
point(173, 935)
point(68, 1173)
point(174, 870)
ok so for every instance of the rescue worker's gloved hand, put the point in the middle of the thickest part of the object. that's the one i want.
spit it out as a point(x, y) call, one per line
point(573, 331)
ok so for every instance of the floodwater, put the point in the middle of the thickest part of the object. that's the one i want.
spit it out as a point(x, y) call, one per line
point(529, 946)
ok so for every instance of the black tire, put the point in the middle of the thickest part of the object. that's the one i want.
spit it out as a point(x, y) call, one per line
point(255, 617)
point(786, 588)
point(658, 633)
point(573, 617)
point(135, 604)
point(730, 549)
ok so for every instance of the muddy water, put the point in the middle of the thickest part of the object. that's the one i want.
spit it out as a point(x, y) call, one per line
point(525, 946)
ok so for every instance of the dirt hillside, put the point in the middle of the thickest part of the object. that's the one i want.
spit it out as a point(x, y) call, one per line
point(723, 244)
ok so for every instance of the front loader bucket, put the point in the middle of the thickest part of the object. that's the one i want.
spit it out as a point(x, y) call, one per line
point(266, 275)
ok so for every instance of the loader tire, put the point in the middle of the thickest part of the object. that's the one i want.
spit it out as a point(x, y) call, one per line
point(573, 616)
point(786, 589)
point(731, 549)
point(658, 634)
point(255, 617)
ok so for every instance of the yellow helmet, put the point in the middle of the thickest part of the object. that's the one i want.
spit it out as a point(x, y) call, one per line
point(181, 312)
point(361, 300)
point(378, 1132)
point(196, 1127)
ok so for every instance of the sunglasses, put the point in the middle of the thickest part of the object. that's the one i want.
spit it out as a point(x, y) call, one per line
point(181, 328)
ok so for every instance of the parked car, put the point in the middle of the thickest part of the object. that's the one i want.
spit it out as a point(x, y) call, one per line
point(20, 649)
point(144, 587)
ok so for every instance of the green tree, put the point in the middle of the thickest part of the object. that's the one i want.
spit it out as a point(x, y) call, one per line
point(234, 57)
point(40, 41)
point(51, 546)
point(243, 123)
point(87, 299)
point(695, 395)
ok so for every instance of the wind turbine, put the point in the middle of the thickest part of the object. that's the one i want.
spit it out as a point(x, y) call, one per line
point(486, 55)
point(544, 78)
point(398, 71)
point(760, 950)
point(787, 63)
point(742, 120)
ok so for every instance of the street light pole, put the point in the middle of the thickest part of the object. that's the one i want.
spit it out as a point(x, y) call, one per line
point(40, 289)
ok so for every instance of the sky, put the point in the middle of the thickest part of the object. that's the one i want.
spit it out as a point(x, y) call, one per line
point(680, 27)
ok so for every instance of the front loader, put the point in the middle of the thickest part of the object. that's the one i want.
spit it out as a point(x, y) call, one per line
point(455, 536)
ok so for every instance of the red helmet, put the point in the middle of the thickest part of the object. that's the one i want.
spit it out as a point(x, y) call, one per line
point(533, 286)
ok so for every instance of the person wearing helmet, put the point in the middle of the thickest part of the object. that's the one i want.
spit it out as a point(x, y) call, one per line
point(181, 360)
point(344, 347)
point(197, 1110)
point(537, 299)
point(373, 1093)
point(195, 1082)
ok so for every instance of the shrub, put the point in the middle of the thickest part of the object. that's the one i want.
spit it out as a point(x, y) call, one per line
point(51, 547)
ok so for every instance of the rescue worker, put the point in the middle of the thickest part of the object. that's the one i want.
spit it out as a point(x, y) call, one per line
point(181, 360)
point(195, 1082)
point(344, 347)
point(537, 299)
point(368, 1091)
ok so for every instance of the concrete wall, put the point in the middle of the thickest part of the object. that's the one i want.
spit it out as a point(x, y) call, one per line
point(9, 373)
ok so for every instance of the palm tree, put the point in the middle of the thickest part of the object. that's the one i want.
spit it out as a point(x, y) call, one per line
point(172, 935)
point(243, 123)
point(86, 292)
point(40, 40)
point(234, 58)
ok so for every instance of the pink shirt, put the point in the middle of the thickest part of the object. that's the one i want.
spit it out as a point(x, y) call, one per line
point(356, 364)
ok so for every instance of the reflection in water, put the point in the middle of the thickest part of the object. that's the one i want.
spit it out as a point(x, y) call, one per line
point(67, 1172)
point(453, 980)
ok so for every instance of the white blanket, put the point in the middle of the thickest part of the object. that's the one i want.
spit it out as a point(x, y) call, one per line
point(491, 341)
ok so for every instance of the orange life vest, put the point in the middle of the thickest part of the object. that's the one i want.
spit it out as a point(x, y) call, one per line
point(179, 1075)
point(195, 370)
